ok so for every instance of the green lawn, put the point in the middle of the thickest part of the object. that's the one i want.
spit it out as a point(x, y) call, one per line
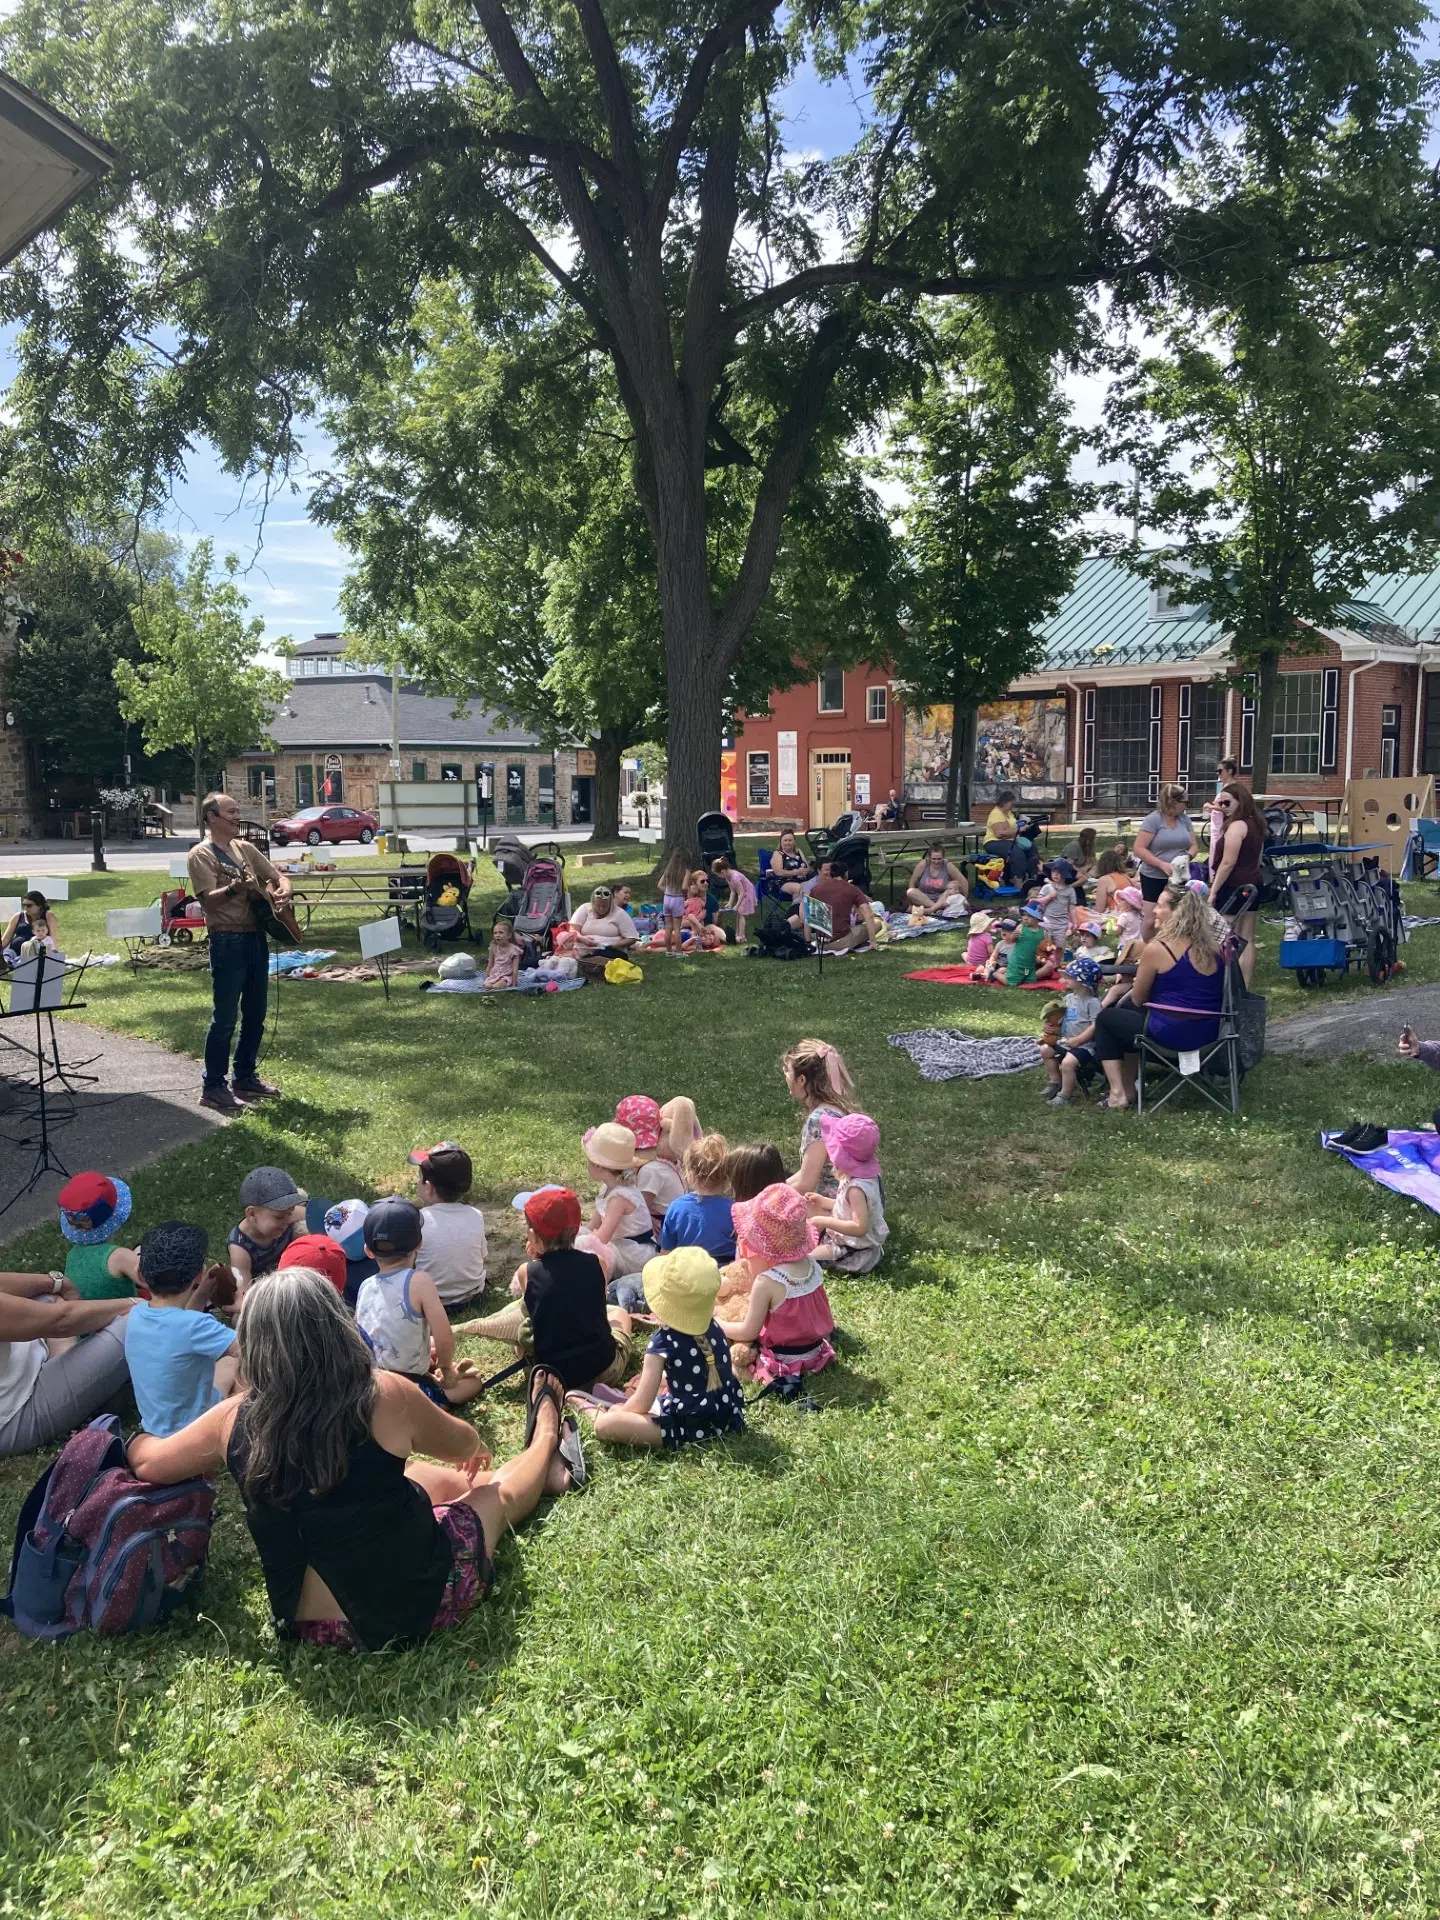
point(1103, 1582)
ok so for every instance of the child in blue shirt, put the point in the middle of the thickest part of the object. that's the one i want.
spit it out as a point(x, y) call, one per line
point(178, 1355)
point(701, 1216)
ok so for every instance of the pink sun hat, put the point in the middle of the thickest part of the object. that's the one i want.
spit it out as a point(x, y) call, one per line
point(641, 1115)
point(775, 1225)
point(851, 1140)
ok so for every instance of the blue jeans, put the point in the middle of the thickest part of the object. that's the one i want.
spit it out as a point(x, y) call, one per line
point(240, 977)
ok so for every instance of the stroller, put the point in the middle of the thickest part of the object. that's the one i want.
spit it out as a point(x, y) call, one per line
point(543, 905)
point(442, 918)
point(511, 858)
point(714, 836)
point(850, 859)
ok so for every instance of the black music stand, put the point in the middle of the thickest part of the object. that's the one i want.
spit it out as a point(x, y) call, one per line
point(48, 1066)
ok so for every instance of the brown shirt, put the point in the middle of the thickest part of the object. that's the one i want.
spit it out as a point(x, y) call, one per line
point(207, 871)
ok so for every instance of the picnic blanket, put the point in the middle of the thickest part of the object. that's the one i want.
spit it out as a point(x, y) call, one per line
point(963, 976)
point(297, 959)
point(1408, 1163)
point(528, 981)
point(942, 1053)
point(901, 929)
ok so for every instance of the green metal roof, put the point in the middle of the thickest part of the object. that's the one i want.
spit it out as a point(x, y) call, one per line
point(1106, 621)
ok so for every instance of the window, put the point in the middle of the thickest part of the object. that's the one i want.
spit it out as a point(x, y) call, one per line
point(832, 689)
point(547, 794)
point(1389, 742)
point(261, 784)
point(332, 785)
point(304, 786)
point(877, 705)
point(1295, 743)
point(418, 770)
point(515, 796)
point(1122, 748)
point(450, 770)
point(757, 779)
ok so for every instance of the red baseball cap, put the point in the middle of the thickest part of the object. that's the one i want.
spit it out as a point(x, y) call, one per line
point(553, 1212)
point(422, 1154)
point(319, 1251)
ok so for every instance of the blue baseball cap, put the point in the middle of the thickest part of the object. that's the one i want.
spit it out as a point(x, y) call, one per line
point(393, 1226)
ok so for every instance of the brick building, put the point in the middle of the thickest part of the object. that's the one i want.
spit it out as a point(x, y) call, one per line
point(1131, 691)
point(332, 738)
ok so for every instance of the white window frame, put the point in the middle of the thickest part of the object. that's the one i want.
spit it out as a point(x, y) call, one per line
point(1309, 757)
point(877, 697)
point(820, 690)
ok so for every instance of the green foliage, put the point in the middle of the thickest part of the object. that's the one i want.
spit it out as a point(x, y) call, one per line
point(1100, 1585)
point(197, 685)
point(992, 532)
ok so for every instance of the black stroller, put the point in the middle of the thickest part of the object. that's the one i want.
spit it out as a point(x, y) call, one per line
point(715, 835)
point(850, 859)
point(543, 905)
point(445, 911)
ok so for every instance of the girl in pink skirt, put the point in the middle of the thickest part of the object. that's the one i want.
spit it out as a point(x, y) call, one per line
point(742, 894)
point(788, 1323)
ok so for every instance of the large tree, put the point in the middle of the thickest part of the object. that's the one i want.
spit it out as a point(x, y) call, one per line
point(291, 175)
point(196, 685)
point(992, 528)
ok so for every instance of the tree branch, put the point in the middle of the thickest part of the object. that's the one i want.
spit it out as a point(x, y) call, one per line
point(703, 342)
point(615, 99)
point(715, 45)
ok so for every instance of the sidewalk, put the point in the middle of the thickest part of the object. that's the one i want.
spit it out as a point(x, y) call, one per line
point(24, 858)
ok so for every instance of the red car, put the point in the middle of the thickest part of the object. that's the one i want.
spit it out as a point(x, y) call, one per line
point(315, 825)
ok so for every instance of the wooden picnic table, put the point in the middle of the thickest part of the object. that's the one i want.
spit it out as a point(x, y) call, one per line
point(399, 891)
point(897, 850)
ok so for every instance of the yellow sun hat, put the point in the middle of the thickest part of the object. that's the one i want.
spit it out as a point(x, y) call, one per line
point(681, 1287)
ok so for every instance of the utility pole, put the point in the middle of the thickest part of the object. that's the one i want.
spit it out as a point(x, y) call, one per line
point(394, 752)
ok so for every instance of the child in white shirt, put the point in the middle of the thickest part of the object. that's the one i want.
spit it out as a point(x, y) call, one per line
point(454, 1247)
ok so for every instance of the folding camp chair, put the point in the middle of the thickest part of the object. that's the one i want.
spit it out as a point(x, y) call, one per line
point(1214, 1069)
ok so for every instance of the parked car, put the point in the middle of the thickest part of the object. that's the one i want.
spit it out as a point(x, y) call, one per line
point(316, 824)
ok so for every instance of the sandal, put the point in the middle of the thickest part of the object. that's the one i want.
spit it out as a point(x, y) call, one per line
point(550, 1387)
point(571, 1452)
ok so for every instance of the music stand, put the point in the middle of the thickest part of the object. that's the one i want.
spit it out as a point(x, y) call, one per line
point(36, 989)
point(378, 940)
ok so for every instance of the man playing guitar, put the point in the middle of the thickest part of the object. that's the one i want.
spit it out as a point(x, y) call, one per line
point(227, 876)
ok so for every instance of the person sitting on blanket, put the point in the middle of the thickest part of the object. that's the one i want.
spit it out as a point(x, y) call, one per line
point(503, 966)
point(1002, 951)
point(851, 914)
point(936, 882)
point(1023, 966)
point(1427, 1052)
point(981, 942)
point(1069, 1052)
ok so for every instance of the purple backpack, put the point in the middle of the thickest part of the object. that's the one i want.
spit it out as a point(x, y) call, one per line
point(97, 1548)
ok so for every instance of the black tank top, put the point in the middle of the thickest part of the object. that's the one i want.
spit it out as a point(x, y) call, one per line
point(374, 1541)
point(1246, 870)
point(565, 1298)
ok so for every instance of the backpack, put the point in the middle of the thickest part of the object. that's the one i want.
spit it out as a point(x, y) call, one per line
point(97, 1548)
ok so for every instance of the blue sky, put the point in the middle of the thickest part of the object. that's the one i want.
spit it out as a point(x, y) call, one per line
point(292, 570)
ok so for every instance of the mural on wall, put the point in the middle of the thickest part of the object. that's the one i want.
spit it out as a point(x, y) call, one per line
point(729, 785)
point(1018, 743)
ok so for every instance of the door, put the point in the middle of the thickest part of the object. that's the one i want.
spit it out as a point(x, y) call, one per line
point(581, 800)
point(304, 787)
point(515, 796)
point(829, 787)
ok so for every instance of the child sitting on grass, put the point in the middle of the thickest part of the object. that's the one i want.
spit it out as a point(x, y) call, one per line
point(1023, 964)
point(785, 1330)
point(657, 1178)
point(400, 1314)
point(817, 1076)
point(749, 1171)
point(679, 1128)
point(559, 1313)
point(854, 1224)
point(93, 1209)
point(176, 1352)
point(502, 969)
point(454, 1243)
point(981, 940)
point(274, 1214)
point(1001, 953)
point(620, 1219)
point(1076, 1024)
point(686, 1391)
point(701, 1216)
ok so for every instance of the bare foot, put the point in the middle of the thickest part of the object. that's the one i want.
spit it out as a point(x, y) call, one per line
point(557, 1477)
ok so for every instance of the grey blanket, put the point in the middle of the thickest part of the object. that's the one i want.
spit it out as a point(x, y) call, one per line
point(943, 1054)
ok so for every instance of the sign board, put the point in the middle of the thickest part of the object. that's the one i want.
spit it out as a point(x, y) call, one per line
point(179, 867)
point(54, 886)
point(648, 836)
point(26, 978)
point(333, 763)
point(585, 761)
point(133, 923)
point(862, 790)
point(9, 906)
point(818, 917)
point(379, 936)
point(787, 768)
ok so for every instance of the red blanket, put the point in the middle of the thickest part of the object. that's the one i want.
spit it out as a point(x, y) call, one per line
point(969, 977)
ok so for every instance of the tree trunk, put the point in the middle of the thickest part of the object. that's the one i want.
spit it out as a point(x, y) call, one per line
point(609, 745)
point(692, 778)
point(1267, 673)
point(199, 788)
point(962, 754)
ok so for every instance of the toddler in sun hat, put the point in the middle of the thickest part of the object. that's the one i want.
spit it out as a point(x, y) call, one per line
point(853, 1225)
point(657, 1178)
point(620, 1218)
point(686, 1391)
point(787, 1324)
point(93, 1209)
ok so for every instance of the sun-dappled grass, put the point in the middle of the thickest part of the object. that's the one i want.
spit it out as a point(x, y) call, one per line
point(1101, 1582)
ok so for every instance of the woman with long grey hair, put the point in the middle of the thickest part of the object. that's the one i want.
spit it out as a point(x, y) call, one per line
point(362, 1545)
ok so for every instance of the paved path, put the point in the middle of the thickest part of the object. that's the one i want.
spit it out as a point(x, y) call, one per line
point(1368, 1024)
point(144, 1104)
point(39, 857)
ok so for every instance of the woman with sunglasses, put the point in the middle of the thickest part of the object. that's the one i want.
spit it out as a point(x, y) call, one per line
point(1241, 850)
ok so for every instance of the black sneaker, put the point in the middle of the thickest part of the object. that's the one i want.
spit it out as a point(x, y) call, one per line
point(1369, 1138)
point(1347, 1138)
point(221, 1100)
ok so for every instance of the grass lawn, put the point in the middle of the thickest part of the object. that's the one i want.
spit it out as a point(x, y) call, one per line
point(1103, 1582)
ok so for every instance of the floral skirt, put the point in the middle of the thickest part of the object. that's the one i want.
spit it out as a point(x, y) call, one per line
point(471, 1576)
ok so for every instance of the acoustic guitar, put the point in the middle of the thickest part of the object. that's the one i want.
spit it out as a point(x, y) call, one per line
point(275, 922)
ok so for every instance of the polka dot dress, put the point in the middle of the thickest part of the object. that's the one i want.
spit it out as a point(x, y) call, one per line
point(688, 1413)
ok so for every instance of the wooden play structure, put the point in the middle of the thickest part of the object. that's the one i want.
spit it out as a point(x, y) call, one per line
point(1380, 814)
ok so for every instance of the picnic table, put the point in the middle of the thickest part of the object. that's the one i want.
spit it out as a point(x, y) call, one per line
point(378, 893)
point(897, 850)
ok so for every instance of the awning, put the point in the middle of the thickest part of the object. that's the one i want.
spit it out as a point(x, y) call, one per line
point(46, 162)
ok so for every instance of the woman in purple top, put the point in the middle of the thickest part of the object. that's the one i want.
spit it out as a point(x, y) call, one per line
point(1180, 967)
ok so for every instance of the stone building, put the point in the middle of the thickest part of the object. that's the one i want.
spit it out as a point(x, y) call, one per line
point(333, 741)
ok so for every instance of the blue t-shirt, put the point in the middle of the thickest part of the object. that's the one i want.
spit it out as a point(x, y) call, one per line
point(700, 1220)
point(171, 1353)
